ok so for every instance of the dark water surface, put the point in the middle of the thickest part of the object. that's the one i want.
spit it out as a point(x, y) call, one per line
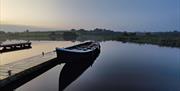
point(119, 67)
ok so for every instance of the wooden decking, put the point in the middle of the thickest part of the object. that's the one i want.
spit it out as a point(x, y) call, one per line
point(11, 72)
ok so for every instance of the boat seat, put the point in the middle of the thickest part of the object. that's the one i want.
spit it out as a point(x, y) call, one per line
point(80, 48)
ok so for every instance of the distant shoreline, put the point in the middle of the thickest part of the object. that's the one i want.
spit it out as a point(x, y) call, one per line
point(171, 39)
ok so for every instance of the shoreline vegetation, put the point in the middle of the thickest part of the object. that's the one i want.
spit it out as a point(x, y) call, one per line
point(170, 39)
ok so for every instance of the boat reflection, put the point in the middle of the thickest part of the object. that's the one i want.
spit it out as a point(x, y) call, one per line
point(72, 70)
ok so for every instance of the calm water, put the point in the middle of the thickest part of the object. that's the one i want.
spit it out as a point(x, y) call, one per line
point(119, 67)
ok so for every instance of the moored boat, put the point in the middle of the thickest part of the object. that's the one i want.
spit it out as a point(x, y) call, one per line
point(78, 52)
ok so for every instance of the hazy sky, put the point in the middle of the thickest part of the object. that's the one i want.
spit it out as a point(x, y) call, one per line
point(119, 15)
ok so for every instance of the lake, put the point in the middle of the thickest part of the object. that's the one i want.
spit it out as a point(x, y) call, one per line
point(119, 67)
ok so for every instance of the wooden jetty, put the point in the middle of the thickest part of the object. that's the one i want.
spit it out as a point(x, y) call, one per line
point(15, 74)
point(14, 46)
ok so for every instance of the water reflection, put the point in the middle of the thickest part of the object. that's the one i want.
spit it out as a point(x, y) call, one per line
point(27, 77)
point(119, 67)
point(72, 70)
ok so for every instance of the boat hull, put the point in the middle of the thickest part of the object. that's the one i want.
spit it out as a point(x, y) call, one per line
point(64, 55)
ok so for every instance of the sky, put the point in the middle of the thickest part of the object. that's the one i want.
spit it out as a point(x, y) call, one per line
point(118, 15)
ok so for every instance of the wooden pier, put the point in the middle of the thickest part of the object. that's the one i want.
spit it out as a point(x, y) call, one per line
point(17, 73)
point(14, 46)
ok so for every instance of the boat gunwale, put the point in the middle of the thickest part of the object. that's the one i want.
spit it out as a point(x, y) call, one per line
point(69, 49)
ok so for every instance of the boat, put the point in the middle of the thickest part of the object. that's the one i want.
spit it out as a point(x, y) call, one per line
point(78, 52)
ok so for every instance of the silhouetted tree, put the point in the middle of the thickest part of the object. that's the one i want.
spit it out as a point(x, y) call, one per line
point(2, 32)
point(132, 34)
point(81, 30)
point(148, 33)
point(125, 33)
point(73, 30)
point(52, 35)
point(69, 35)
point(27, 30)
point(175, 31)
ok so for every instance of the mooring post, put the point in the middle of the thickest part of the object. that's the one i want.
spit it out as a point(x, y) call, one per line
point(43, 53)
point(9, 72)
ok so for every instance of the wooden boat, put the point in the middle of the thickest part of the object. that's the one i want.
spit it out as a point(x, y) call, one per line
point(78, 52)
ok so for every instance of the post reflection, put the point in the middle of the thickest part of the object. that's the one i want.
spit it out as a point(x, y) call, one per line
point(72, 70)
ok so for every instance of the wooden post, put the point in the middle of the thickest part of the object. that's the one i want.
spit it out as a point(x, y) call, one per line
point(9, 72)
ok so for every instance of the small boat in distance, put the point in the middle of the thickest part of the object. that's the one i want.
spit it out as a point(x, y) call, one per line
point(79, 52)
